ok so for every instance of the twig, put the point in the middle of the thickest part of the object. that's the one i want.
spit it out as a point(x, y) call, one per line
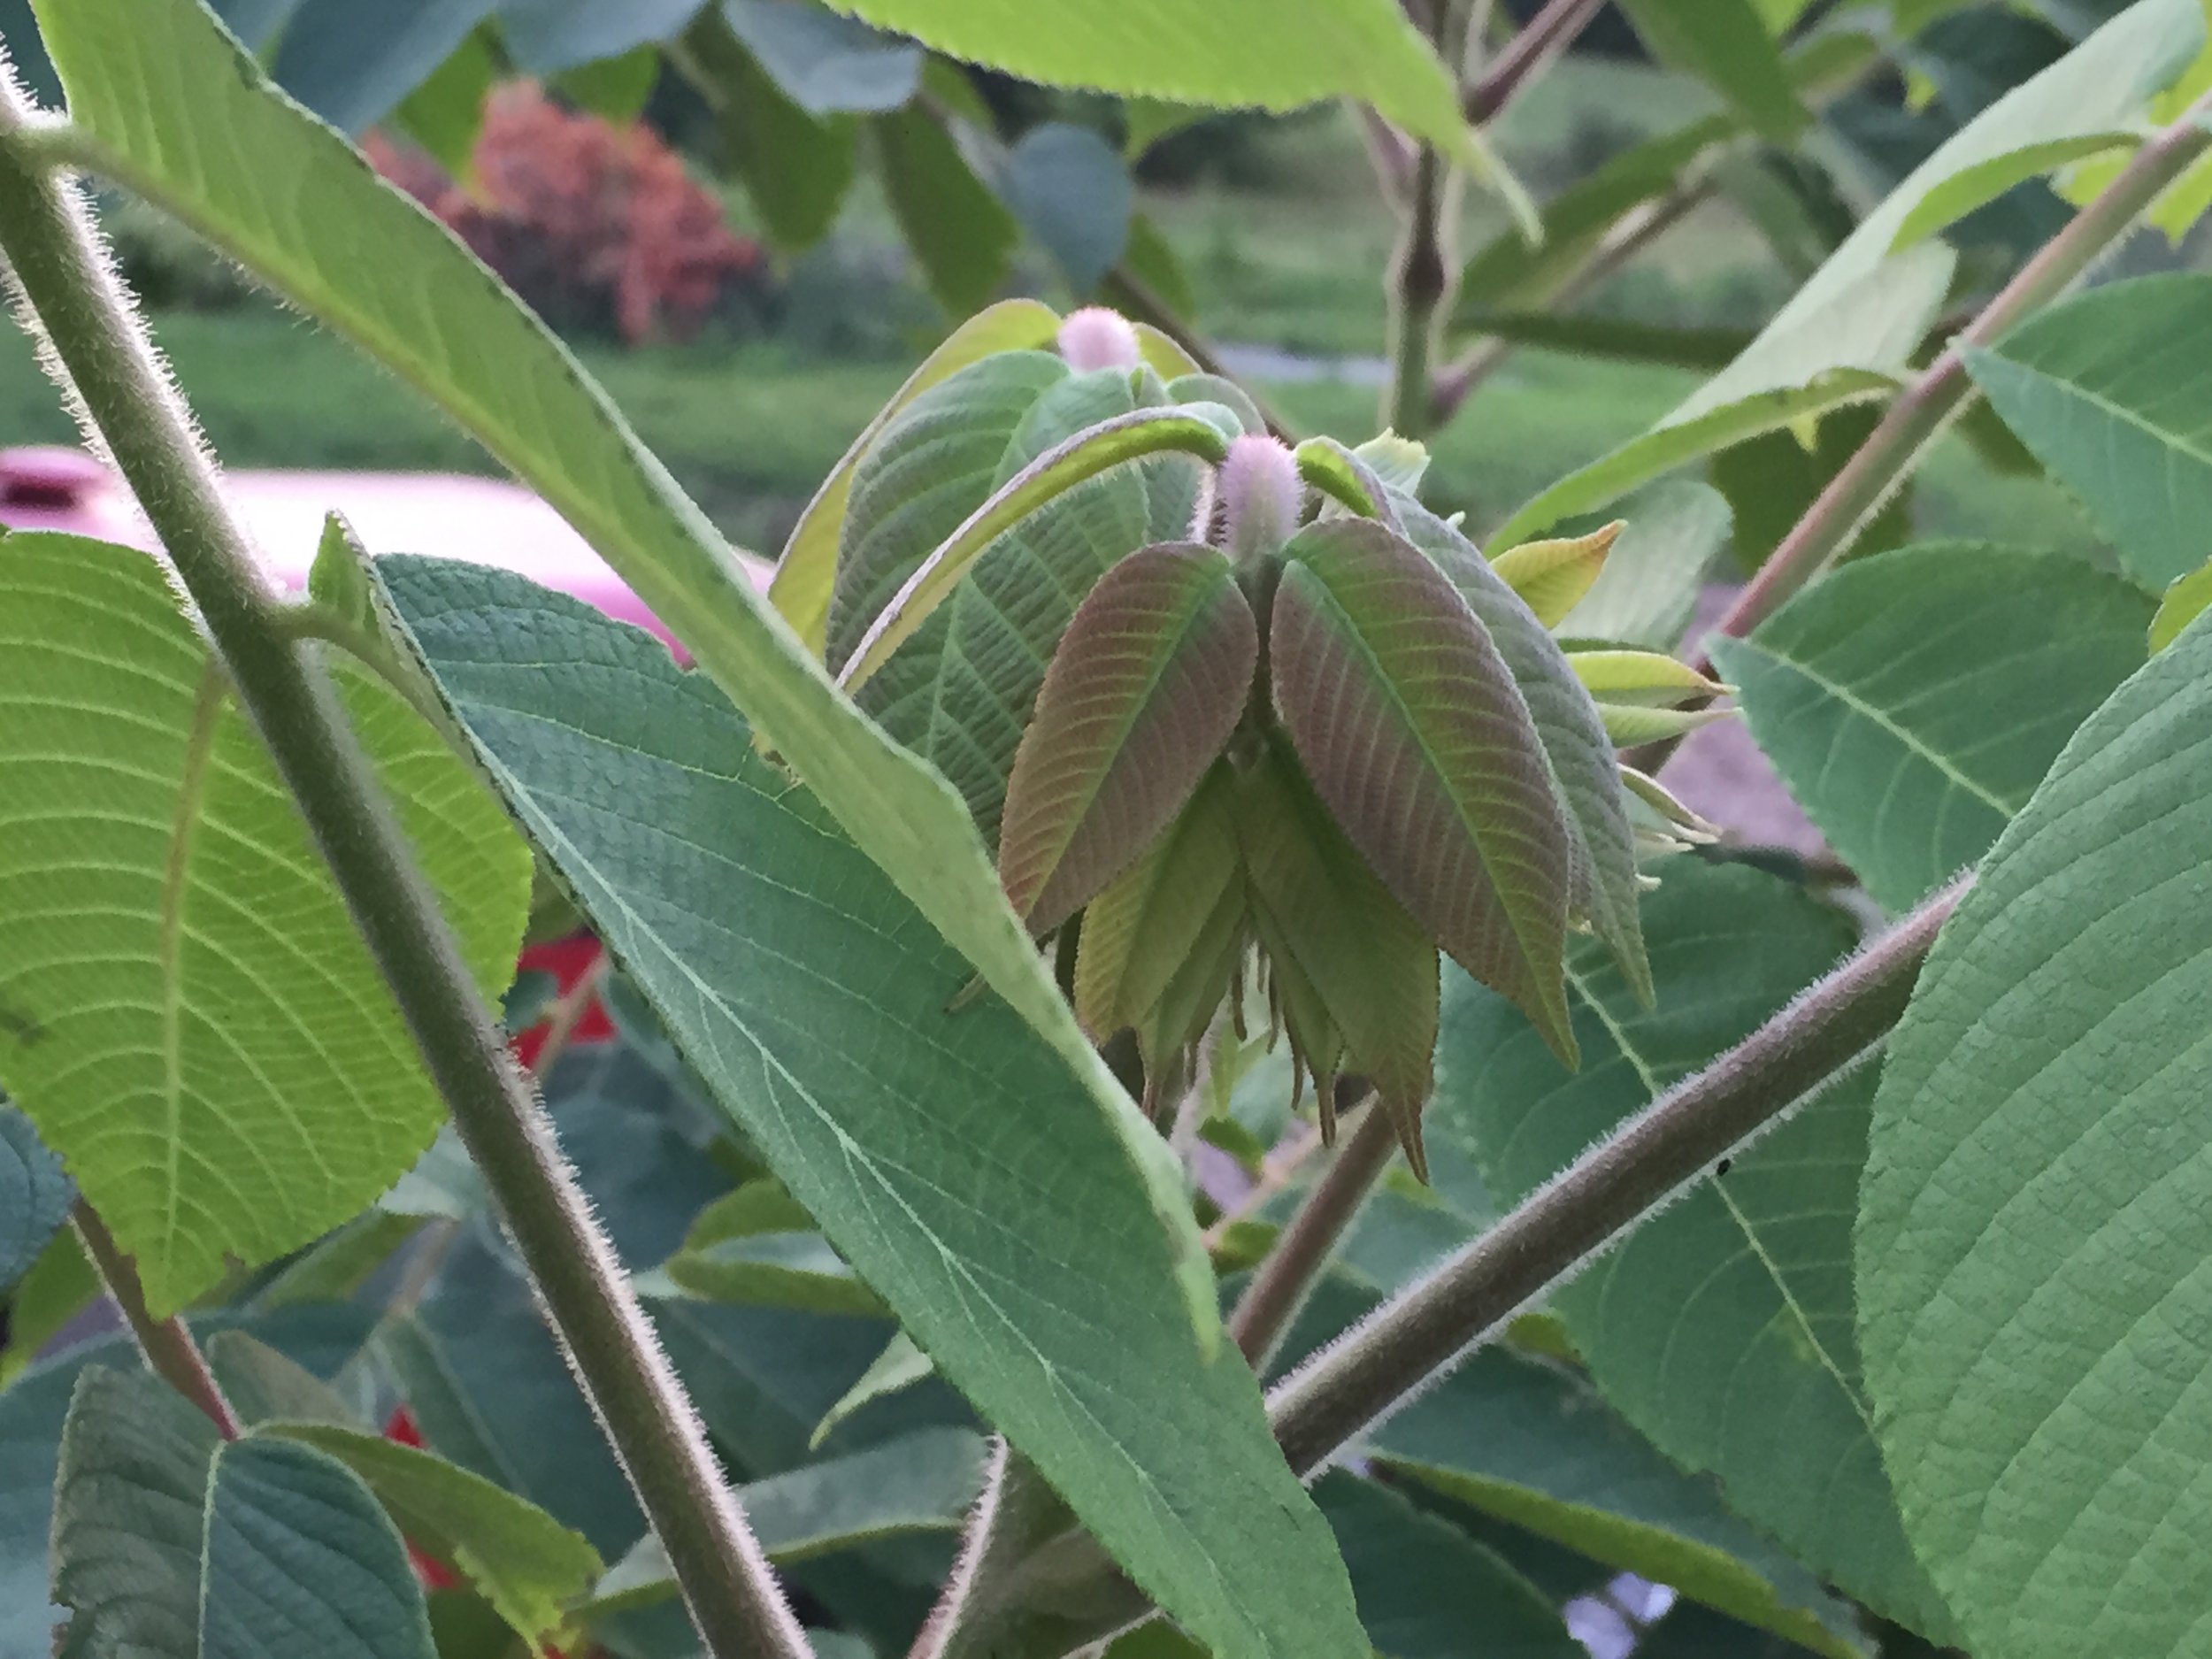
point(1526, 57)
point(1277, 1171)
point(1280, 1286)
point(170, 1352)
point(1601, 1197)
point(1420, 277)
point(107, 370)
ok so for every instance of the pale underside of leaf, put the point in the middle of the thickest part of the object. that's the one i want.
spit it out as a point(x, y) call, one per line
point(1408, 722)
point(1149, 680)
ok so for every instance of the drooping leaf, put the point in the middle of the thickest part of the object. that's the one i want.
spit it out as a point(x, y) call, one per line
point(1552, 576)
point(1768, 484)
point(813, 999)
point(1603, 888)
point(2110, 392)
point(522, 1560)
point(899, 1366)
point(1203, 430)
point(1725, 43)
point(1354, 974)
point(191, 1019)
point(265, 1385)
point(1722, 1327)
point(2032, 1235)
point(155, 90)
point(924, 1482)
point(932, 467)
point(1853, 346)
point(1649, 589)
point(1073, 193)
point(758, 1246)
point(1912, 701)
point(806, 573)
point(824, 62)
point(36, 1195)
point(958, 230)
point(444, 112)
point(2183, 603)
point(1974, 187)
point(1410, 724)
point(352, 65)
point(1706, 349)
point(1233, 53)
point(1424, 1586)
point(1150, 679)
point(544, 36)
point(795, 166)
point(1139, 932)
point(171, 1541)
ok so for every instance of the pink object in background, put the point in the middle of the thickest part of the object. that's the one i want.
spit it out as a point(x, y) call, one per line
point(481, 520)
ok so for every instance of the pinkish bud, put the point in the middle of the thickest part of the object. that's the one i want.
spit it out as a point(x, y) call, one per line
point(1096, 338)
point(1256, 496)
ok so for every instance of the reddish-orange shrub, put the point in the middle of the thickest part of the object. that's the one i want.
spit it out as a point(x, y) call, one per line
point(598, 227)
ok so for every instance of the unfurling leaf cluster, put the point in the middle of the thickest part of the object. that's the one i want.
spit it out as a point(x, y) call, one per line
point(1222, 707)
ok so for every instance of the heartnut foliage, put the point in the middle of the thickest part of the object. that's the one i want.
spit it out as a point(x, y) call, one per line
point(1238, 720)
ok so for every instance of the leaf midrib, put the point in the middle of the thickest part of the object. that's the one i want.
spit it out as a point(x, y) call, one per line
point(207, 708)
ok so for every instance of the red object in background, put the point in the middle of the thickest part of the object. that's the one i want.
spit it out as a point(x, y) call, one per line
point(567, 960)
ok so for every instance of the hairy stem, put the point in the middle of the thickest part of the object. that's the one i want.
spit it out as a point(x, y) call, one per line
point(1889, 454)
point(108, 369)
point(1279, 1288)
point(169, 1350)
point(1602, 1196)
point(1419, 278)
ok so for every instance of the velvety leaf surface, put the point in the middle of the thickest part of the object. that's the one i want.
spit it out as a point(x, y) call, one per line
point(1150, 679)
point(1912, 701)
point(932, 466)
point(1584, 768)
point(170, 1543)
point(187, 119)
point(1231, 54)
point(189, 1017)
point(35, 1194)
point(2113, 393)
point(1722, 1327)
point(521, 1560)
point(2033, 1239)
point(806, 574)
point(1424, 1587)
point(1408, 722)
point(952, 1157)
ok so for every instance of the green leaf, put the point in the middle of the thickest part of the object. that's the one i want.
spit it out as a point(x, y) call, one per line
point(758, 1246)
point(35, 1196)
point(445, 111)
point(193, 1022)
point(923, 1482)
point(543, 36)
point(899, 1367)
point(1355, 976)
point(1424, 1585)
point(263, 1386)
point(1912, 701)
point(2183, 603)
point(1151, 679)
point(2110, 392)
point(813, 999)
point(1531, 1442)
point(1231, 54)
point(1727, 45)
point(1149, 258)
point(1722, 1328)
point(1854, 346)
point(518, 1557)
point(1072, 192)
point(1413, 731)
point(352, 65)
point(1603, 885)
point(615, 89)
point(961, 692)
point(806, 574)
point(1200, 429)
point(929, 469)
point(826, 64)
point(796, 167)
point(959, 232)
point(1648, 591)
point(1551, 577)
point(1770, 482)
point(155, 89)
point(171, 1543)
point(1978, 185)
point(1614, 339)
point(2032, 1235)
point(55, 1289)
